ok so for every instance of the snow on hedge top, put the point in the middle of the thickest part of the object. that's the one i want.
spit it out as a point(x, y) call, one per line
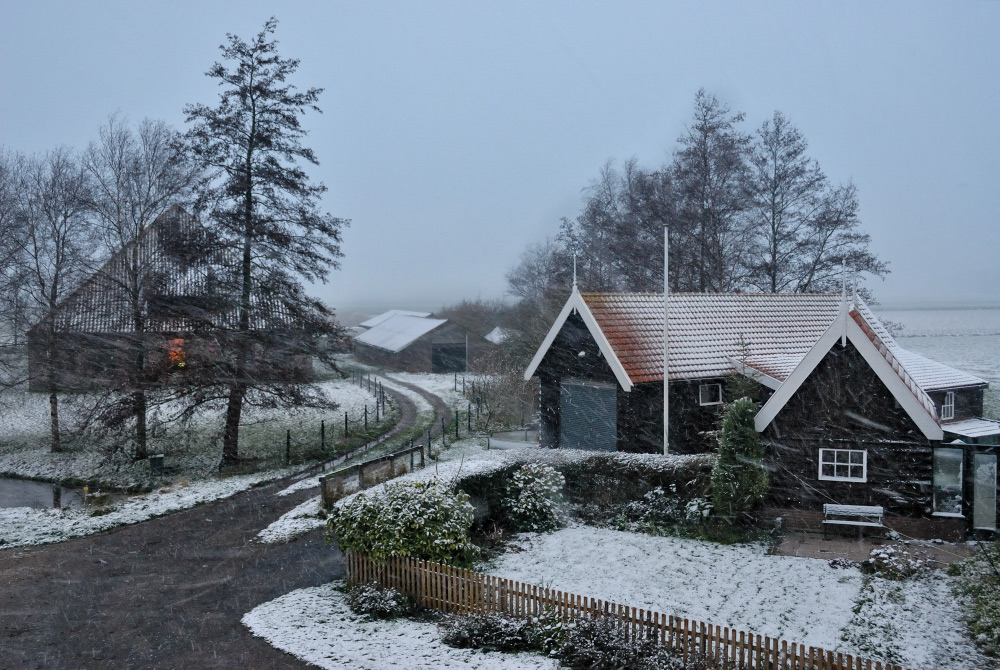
point(468, 457)
point(398, 332)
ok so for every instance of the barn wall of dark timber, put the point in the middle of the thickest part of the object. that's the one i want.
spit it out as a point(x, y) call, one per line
point(418, 356)
point(844, 405)
point(564, 361)
point(640, 411)
point(90, 361)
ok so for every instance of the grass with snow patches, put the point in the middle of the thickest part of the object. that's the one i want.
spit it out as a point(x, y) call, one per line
point(192, 451)
point(316, 626)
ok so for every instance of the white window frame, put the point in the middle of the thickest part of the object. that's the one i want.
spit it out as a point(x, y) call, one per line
point(838, 456)
point(701, 394)
point(948, 406)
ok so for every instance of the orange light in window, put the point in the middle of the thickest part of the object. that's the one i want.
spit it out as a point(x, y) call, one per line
point(175, 352)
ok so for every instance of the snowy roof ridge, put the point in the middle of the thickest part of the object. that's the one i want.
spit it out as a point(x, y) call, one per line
point(379, 318)
point(398, 332)
point(895, 364)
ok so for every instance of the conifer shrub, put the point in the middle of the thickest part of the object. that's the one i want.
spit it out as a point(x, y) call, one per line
point(739, 481)
point(420, 519)
point(534, 500)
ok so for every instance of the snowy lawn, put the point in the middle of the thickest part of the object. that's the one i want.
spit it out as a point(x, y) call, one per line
point(316, 626)
point(915, 623)
point(21, 526)
point(192, 452)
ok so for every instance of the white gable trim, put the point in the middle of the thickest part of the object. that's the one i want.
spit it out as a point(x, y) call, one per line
point(843, 326)
point(576, 303)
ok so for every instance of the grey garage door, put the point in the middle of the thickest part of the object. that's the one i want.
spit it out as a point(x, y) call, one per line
point(587, 415)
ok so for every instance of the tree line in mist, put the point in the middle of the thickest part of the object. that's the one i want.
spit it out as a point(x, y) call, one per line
point(79, 221)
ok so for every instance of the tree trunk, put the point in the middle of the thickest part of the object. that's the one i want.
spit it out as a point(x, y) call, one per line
point(231, 435)
point(139, 406)
point(54, 422)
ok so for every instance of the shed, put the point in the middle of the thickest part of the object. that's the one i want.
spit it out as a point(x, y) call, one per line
point(410, 343)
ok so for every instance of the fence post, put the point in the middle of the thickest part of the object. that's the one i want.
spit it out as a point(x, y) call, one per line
point(456, 422)
point(456, 381)
point(345, 425)
point(288, 447)
point(322, 434)
point(443, 433)
point(469, 417)
point(366, 417)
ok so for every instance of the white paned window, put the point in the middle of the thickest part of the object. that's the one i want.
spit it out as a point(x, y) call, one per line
point(710, 394)
point(843, 465)
point(948, 408)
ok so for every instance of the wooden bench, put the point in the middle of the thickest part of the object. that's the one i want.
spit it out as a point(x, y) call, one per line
point(861, 516)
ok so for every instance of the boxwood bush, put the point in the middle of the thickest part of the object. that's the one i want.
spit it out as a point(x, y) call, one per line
point(420, 519)
point(534, 500)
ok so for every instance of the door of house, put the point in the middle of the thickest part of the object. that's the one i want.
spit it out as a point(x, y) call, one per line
point(588, 415)
point(984, 500)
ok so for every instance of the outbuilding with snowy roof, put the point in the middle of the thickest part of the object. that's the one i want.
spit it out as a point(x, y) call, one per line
point(415, 342)
point(847, 415)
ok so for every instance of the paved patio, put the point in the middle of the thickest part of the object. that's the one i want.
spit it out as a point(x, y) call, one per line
point(813, 545)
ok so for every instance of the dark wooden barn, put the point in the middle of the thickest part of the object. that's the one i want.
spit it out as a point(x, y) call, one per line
point(847, 415)
point(187, 317)
point(409, 342)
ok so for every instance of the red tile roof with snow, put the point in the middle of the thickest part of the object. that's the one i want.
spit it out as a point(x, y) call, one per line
point(770, 332)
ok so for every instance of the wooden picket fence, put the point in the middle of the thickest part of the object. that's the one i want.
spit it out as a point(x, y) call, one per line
point(460, 591)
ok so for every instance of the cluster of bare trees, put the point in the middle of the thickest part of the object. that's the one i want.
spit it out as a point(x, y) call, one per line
point(746, 212)
point(63, 213)
point(69, 217)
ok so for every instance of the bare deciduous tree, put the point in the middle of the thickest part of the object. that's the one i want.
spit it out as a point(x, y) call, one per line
point(137, 175)
point(59, 246)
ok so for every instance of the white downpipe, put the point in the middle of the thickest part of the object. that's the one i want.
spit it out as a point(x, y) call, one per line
point(666, 310)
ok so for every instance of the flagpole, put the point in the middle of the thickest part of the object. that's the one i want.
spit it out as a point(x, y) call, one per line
point(666, 297)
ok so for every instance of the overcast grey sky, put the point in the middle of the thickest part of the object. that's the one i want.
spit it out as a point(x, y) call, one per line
point(455, 133)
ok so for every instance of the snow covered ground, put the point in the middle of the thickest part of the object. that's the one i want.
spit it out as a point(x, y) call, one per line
point(316, 626)
point(21, 526)
point(916, 623)
point(441, 385)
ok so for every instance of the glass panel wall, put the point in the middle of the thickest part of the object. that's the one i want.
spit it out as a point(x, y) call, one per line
point(948, 481)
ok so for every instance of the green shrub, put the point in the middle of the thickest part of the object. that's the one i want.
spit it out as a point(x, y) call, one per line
point(420, 519)
point(978, 584)
point(603, 642)
point(379, 602)
point(739, 481)
point(489, 631)
point(534, 500)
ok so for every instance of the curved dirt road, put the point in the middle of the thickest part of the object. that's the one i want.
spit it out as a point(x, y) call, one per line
point(168, 592)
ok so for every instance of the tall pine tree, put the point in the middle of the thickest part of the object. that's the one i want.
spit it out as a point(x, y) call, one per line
point(264, 208)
